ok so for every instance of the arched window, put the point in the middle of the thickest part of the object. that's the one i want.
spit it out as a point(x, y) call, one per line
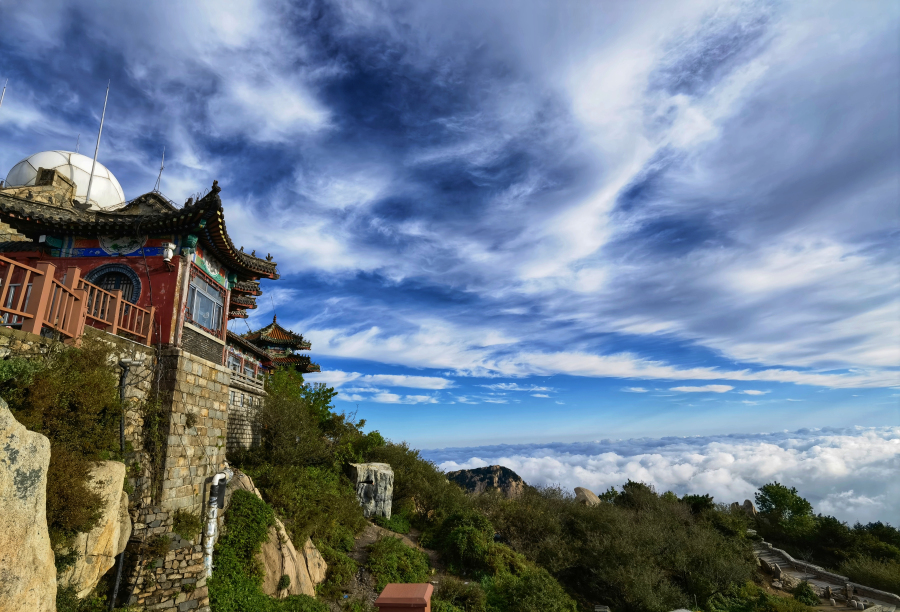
point(112, 277)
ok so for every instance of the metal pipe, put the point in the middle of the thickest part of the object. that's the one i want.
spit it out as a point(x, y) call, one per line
point(211, 518)
point(125, 364)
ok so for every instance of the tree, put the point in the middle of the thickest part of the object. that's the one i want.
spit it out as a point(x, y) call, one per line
point(785, 508)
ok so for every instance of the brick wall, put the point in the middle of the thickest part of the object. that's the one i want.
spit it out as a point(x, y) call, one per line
point(243, 404)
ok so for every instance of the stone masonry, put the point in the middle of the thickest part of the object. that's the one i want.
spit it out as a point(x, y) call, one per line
point(196, 390)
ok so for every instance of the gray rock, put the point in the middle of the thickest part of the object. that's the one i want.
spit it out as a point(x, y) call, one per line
point(27, 570)
point(374, 484)
point(586, 497)
point(479, 480)
point(97, 549)
point(749, 508)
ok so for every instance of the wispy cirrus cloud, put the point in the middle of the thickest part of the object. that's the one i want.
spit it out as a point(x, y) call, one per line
point(704, 389)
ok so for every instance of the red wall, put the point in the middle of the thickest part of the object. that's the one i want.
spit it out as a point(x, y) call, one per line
point(161, 290)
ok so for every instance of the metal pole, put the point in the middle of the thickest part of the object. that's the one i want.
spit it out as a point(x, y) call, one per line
point(2, 95)
point(87, 199)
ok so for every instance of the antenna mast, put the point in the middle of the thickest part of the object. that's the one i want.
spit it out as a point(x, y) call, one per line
point(2, 95)
point(87, 199)
point(77, 143)
point(162, 166)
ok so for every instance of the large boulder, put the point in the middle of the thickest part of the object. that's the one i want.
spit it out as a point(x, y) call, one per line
point(479, 480)
point(374, 484)
point(586, 497)
point(97, 549)
point(304, 569)
point(279, 558)
point(27, 570)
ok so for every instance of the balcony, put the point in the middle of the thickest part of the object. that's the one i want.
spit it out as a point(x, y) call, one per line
point(247, 383)
point(32, 300)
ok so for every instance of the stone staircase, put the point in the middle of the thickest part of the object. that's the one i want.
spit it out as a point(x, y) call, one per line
point(846, 595)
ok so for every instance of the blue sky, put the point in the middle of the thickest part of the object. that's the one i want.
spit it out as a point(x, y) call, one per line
point(560, 223)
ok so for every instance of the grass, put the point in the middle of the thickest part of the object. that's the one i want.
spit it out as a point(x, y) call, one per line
point(186, 524)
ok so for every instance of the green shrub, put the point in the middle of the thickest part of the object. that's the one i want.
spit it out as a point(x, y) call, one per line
point(390, 560)
point(464, 540)
point(750, 598)
point(453, 594)
point(805, 594)
point(534, 590)
point(284, 582)
point(884, 575)
point(398, 523)
point(311, 501)
point(341, 570)
point(186, 524)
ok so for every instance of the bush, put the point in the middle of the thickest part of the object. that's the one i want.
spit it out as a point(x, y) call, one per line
point(398, 523)
point(186, 524)
point(750, 598)
point(453, 594)
point(341, 570)
point(311, 501)
point(392, 561)
point(534, 590)
point(884, 575)
point(805, 594)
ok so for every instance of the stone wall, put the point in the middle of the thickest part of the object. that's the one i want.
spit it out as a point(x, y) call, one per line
point(244, 403)
point(195, 392)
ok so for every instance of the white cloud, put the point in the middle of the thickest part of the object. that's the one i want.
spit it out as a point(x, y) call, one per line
point(515, 387)
point(753, 392)
point(634, 390)
point(539, 395)
point(393, 398)
point(336, 378)
point(848, 473)
point(704, 389)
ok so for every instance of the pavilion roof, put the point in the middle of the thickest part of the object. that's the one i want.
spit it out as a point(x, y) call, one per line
point(147, 214)
point(275, 334)
point(243, 344)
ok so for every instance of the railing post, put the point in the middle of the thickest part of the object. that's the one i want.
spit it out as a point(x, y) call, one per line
point(150, 325)
point(37, 302)
point(115, 307)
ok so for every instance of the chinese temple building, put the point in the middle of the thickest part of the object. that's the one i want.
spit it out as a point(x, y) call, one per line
point(282, 345)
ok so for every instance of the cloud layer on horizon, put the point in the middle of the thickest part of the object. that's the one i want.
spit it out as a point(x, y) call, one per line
point(850, 473)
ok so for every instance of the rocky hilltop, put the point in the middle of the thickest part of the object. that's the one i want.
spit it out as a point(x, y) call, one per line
point(479, 480)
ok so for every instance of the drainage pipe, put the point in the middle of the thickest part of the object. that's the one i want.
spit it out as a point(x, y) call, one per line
point(216, 499)
point(125, 364)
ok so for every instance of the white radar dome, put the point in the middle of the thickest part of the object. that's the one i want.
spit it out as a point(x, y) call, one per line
point(106, 193)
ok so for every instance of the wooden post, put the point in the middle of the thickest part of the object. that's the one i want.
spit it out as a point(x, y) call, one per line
point(150, 326)
point(405, 598)
point(114, 308)
point(41, 288)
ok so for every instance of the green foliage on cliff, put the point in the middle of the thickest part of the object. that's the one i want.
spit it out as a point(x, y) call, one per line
point(236, 582)
point(884, 575)
point(71, 396)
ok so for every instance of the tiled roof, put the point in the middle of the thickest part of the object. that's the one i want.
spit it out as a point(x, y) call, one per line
point(239, 341)
point(148, 214)
point(301, 363)
point(276, 334)
point(242, 301)
point(249, 287)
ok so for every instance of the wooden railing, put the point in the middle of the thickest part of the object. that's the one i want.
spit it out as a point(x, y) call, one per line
point(31, 298)
point(114, 314)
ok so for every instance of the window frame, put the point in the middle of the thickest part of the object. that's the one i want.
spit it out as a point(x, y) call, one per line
point(194, 289)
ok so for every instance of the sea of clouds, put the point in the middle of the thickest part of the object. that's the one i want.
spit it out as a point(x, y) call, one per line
point(848, 473)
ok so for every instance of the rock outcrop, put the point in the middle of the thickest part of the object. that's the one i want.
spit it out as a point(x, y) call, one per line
point(304, 569)
point(747, 508)
point(97, 549)
point(374, 484)
point(27, 570)
point(479, 480)
point(586, 497)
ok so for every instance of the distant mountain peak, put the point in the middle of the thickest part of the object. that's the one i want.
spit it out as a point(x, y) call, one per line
point(479, 480)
